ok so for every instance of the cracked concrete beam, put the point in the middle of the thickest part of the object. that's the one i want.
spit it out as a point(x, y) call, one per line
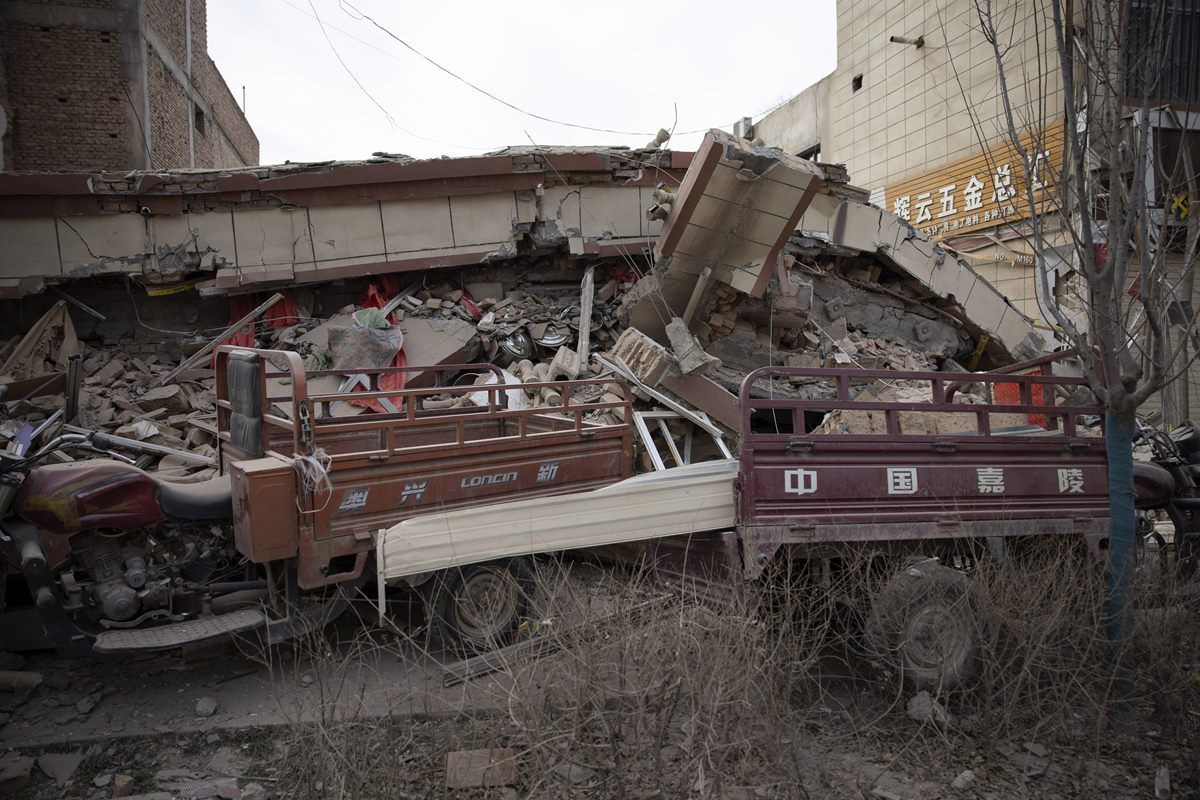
point(984, 309)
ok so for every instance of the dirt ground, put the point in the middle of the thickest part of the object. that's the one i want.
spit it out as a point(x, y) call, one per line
point(220, 722)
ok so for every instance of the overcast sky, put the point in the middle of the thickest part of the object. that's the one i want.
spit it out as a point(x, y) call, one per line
point(617, 65)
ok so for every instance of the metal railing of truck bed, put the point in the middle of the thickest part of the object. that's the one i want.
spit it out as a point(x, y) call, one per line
point(1037, 397)
point(305, 425)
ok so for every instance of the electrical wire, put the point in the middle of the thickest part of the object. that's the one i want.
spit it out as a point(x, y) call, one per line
point(357, 14)
point(387, 115)
point(343, 4)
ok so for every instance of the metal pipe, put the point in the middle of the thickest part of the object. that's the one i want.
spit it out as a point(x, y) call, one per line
point(226, 587)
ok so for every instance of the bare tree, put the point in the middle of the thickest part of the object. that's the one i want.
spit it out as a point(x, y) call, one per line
point(1115, 209)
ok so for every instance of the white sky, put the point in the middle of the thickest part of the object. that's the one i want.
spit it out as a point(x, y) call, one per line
point(618, 64)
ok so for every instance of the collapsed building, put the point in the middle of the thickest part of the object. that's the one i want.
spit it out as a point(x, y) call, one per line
point(677, 272)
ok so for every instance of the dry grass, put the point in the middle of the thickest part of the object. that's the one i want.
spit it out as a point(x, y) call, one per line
point(765, 694)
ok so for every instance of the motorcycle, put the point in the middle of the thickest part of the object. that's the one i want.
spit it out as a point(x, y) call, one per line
point(115, 559)
point(1170, 482)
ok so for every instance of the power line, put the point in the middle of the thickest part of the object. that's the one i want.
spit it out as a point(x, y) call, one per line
point(481, 90)
point(343, 4)
point(391, 120)
point(349, 71)
point(354, 10)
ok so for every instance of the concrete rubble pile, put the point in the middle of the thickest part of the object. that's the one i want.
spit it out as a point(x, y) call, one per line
point(763, 259)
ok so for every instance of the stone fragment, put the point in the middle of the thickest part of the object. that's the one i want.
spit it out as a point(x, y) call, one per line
point(572, 773)
point(1162, 783)
point(87, 703)
point(923, 708)
point(60, 766)
point(172, 399)
point(206, 707)
point(469, 769)
point(14, 772)
point(106, 374)
point(122, 785)
point(964, 779)
point(688, 353)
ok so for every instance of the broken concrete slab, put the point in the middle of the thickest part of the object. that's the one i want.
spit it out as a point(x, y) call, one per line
point(646, 358)
point(60, 766)
point(706, 395)
point(736, 208)
point(173, 399)
point(14, 771)
point(688, 353)
point(436, 341)
point(472, 769)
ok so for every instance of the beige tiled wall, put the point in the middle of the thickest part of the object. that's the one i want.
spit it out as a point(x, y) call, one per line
point(921, 107)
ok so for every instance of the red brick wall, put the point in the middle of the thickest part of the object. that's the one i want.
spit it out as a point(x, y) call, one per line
point(65, 97)
point(233, 142)
point(67, 108)
point(169, 116)
point(223, 138)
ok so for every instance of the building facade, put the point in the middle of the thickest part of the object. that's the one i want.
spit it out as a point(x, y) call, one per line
point(114, 85)
point(923, 116)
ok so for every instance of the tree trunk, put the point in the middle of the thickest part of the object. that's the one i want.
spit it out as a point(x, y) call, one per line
point(1118, 438)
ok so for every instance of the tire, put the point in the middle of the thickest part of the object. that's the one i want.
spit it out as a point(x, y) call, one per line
point(480, 607)
point(924, 624)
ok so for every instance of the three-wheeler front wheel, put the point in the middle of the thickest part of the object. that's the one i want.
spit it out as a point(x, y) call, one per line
point(480, 607)
point(924, 624)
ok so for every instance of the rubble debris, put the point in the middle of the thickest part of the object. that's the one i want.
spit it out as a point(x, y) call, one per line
point(45, 347)
point(1162, 783)
point(923, 708)
point(198, 356)
point(572, 772)
point(470, 769)
point(688, 353)
point(19, 681)
point(964, 779)
point(738, 206)
point(206, 707)
point(14, 771)
point(60, 766)
point(122, 785)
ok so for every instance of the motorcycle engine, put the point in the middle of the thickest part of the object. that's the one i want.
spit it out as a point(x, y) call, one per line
point(163, 578)
point(115, 580)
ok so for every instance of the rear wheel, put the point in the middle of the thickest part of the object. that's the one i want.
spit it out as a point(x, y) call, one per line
point(480, 607)
point(923, 623)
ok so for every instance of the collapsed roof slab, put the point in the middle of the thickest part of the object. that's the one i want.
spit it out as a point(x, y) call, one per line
point(736, 208)
point(304, 223)
point(984, 311)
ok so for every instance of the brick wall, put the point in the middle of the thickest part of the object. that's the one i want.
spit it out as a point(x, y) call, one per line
point(67, 107)
point(221, 136)
point(233, 141)
point(5, 119)
point(169, 116)
point(73, 96)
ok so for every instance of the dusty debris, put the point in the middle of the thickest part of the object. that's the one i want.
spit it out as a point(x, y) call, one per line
point(571, 772)
point(60, 766)
point(964, 779)
point(14, 771)
point(206, 707)
point(1162, 783)
point(19, 681)
point(923, 708)
point(469, 769)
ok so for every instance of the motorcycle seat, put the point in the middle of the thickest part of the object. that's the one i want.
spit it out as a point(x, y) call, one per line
point(1153, 485)
point(210, 499)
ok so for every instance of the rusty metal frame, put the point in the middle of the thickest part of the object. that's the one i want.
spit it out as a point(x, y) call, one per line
point(516, 441)
point(772, 516)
